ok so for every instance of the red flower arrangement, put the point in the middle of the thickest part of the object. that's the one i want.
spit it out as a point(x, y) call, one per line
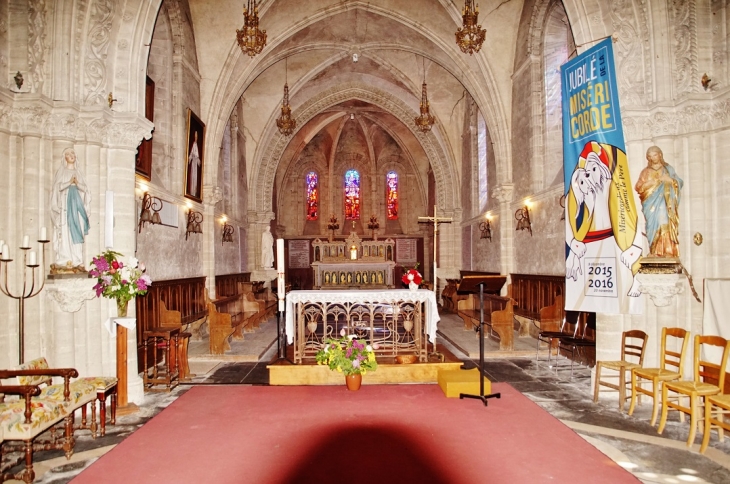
point(412, 276)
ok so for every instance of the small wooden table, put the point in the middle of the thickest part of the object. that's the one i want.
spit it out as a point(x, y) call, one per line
point(165, 338)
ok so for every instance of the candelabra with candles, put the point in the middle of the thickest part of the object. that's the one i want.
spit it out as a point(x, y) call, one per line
point(30, 261)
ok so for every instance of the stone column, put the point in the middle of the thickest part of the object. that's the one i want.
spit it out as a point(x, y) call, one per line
point(122, 138)
point(211, 196)
point(504, 194)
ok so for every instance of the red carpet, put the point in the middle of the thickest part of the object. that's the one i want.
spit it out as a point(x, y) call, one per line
point(378, 435)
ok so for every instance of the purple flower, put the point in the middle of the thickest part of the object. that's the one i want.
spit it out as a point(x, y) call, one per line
point(356, 363)
point(348, 353)
point(101, 264)
point(107, 280)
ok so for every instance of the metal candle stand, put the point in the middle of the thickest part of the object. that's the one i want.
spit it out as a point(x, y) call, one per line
point(26, 293)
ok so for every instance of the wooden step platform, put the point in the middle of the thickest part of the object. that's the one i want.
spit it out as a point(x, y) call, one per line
point(455, 382)
point(284, 373)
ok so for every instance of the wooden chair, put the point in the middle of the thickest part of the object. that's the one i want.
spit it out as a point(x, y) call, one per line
point(722, 402)
point(633, 345)
point(699, 386)
point(671, 363)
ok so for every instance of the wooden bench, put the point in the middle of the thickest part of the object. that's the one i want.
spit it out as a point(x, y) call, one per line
point(538, 298)
point(227, 318)
point(498, 316)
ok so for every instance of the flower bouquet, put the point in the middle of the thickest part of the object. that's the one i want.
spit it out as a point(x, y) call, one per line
point(348, 355)
point(117, 280)
point(412, 278)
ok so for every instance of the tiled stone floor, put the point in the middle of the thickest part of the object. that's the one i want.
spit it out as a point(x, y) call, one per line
point(629, 440)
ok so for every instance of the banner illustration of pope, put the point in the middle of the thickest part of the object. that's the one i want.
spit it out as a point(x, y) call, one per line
point(602, 236)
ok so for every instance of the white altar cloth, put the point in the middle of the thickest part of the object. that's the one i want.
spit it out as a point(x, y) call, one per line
point(365, 296)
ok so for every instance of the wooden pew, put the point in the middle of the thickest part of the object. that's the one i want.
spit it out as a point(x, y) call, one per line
point(227, 318)
point(498, 316)
point(186, 296)
point(266, 298)
point(539, 298)
point(227, 284)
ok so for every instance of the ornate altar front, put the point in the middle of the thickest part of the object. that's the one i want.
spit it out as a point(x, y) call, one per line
point(353, 263)
point(400, 321)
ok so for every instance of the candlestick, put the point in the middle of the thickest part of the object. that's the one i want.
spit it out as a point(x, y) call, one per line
point(43, 234)
point(30, 286)
point(2, 244)
point(280, 255)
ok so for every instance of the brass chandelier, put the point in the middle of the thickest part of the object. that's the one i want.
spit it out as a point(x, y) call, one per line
point(285, 122)
point(250, 38)
point(426, 119)
point(470, 36)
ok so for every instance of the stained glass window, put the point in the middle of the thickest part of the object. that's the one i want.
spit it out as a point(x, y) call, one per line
point(391, 200)
point(312, 196)
point(352, 195)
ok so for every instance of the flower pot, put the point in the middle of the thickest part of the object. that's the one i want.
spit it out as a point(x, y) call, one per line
point(413, 286)
point(353, 381)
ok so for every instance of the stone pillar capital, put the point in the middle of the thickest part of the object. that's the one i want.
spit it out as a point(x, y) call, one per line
point(504, 193)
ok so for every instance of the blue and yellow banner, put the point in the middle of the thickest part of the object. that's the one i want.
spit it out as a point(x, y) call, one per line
point(602, 240)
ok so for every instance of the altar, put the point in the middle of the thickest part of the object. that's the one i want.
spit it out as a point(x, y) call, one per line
point(400, 321)
point(353, 263)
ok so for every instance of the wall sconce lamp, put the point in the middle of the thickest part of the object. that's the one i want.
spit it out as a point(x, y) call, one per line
point(150, 213)
point(194, 221)
point(353, 252)
point(227, 233)
point(522, 215)
point(486, 229)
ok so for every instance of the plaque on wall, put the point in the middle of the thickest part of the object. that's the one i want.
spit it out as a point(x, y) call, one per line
point(405, 251)
point(299, 254)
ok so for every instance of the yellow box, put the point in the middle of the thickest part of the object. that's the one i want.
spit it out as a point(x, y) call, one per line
point(455, 382)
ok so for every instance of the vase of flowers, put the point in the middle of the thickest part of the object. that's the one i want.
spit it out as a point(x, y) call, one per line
point(412, 278)
point(350, 356)
point(118, 280)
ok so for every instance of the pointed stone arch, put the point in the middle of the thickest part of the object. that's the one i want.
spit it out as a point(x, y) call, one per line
point(443, 167)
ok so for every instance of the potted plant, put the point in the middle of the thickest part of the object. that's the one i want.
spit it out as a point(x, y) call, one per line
point(348, 355)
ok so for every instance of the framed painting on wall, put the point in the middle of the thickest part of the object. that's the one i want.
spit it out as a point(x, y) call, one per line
point(194, 158)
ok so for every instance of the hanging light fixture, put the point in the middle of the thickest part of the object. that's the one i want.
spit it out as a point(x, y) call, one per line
point(250, 38)
point(285, 122)
point(425, 120)
point(470, 36)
